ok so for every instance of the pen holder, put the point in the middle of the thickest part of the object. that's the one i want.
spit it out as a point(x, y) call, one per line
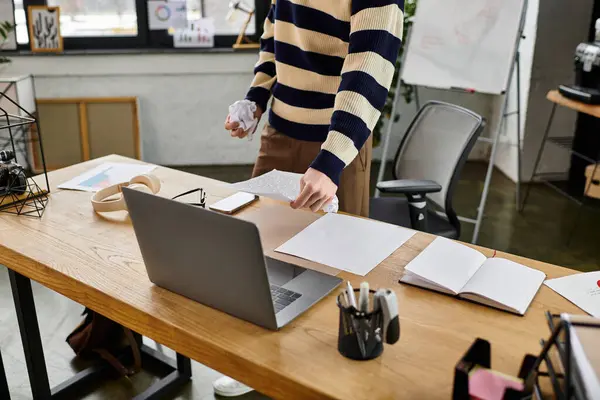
point(360, 333)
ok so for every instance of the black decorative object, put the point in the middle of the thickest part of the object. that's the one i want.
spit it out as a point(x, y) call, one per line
point(557, 356)
point(553, 374)
point(20, 136)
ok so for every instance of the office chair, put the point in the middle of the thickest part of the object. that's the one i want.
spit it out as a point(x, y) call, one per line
point(4, 394)
point(426, 170)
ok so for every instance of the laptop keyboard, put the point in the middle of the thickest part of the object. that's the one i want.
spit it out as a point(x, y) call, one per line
point(282, 297)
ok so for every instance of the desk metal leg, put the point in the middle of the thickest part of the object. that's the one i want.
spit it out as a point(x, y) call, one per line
point(168, 385)
point(4, 393)
point(30, 335)
point(539, 154)
point(179, 375)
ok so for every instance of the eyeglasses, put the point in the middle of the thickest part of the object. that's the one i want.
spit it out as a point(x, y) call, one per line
point(202, 197)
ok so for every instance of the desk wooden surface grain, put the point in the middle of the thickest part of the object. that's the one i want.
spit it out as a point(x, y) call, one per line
point(96, 261)
point(590, 109)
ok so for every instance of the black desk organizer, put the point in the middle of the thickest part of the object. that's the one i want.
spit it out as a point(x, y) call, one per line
point(349, 343)
point(565, 385)
point(22, 195)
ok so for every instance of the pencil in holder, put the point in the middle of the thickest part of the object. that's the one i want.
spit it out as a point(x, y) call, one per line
point(360, 333)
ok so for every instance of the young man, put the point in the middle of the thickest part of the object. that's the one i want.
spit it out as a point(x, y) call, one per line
point(328, 64)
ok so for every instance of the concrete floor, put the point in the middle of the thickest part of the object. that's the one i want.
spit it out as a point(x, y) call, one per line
point(541, 232)
point(545, 230)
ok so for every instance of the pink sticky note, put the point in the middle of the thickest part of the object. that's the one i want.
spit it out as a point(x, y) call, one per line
point(485, 384)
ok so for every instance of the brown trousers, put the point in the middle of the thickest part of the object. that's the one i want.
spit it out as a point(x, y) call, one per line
point(278, 151)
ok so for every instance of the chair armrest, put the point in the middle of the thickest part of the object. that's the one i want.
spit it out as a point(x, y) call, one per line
point(409, 186)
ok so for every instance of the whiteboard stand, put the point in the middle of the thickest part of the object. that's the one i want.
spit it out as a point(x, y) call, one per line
point(494, 140)
point(519, 152)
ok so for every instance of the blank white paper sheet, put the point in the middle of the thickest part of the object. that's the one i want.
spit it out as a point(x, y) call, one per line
point(348, 243)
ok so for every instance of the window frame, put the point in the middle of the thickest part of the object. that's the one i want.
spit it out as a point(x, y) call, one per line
point(145, 39)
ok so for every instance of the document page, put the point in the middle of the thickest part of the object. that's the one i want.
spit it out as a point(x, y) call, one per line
point(583, 290)
point(348, 243)
point(105, 175)
point(507, 283)
point(278, 185)
point(447, 263)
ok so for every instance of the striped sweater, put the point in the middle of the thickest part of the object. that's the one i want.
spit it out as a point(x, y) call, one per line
point(328, 65)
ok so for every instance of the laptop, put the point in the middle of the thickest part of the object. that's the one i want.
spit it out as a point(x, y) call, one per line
point(218, 260)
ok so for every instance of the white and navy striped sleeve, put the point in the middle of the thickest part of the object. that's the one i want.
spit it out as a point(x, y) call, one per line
point(375, 38)
point(265, 71)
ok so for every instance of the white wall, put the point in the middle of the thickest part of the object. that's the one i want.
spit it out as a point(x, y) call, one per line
point(183, 98)
point(554, 28)
point(553, 65)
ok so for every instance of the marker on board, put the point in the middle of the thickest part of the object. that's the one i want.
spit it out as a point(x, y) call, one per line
point(467, 90)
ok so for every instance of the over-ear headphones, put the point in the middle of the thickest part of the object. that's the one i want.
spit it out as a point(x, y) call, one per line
point(145, 183)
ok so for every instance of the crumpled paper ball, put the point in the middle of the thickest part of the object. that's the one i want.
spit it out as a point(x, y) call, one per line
point(242, 112)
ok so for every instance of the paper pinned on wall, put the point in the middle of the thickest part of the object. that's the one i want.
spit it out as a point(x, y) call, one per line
point(164, 15)
point(199, 33)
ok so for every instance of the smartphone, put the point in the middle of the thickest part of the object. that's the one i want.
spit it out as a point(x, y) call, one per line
point(234, 203)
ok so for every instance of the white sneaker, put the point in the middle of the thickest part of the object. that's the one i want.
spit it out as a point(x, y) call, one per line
point(228, 387)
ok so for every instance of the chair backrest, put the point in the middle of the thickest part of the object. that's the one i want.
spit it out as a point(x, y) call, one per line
point(436, 146)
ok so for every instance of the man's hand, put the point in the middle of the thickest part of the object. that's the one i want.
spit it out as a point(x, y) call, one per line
point(316, 189)
point(234, 127)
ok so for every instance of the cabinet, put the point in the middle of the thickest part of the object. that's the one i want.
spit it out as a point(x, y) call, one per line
point(79, 129)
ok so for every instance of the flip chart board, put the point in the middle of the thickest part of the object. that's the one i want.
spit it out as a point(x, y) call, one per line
point(465, 44)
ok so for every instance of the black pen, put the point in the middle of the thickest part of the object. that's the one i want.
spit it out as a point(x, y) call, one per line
point(357, 333)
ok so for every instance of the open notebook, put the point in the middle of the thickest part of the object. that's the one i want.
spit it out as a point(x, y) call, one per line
point(450, 267)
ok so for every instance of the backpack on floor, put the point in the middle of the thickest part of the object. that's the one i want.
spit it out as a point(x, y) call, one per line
point(98, 336)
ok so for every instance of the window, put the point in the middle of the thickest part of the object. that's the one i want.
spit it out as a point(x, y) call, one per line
point(123, 24)
point(92, 18)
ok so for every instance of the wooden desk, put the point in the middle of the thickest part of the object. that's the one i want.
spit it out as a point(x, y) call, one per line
point(557, 98)
point(96, 262)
